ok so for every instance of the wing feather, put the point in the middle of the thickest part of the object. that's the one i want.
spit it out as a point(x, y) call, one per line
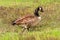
point(26, 19)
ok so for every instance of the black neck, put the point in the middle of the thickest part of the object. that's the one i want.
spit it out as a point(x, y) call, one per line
point(36, 12)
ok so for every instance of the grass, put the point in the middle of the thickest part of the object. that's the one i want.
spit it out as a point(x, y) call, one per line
point(47, 29)
point(24, 2)
point(49, 35)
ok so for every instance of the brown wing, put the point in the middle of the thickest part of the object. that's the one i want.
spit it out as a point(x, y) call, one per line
point(25, 20)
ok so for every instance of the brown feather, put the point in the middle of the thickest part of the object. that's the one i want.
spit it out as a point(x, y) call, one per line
point(26, 20)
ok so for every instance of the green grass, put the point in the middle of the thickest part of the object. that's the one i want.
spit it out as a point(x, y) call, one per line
point(49, 35)
point(24, 2)
point(48, 28)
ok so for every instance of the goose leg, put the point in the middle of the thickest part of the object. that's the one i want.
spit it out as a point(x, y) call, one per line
point(24, 29)
point(28, 28)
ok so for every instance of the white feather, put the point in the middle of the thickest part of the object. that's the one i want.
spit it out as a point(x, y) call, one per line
point(39, 17)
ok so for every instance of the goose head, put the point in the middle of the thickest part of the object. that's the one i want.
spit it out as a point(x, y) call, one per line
point(40, 9)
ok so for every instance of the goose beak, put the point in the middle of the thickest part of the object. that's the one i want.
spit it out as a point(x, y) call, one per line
point(42, 11)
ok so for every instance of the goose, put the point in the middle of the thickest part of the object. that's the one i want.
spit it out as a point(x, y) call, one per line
point(28, 21)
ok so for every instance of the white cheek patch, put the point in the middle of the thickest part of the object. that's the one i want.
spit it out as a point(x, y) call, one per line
point(40, 8)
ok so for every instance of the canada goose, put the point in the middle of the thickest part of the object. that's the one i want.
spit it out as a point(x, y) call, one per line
point(29, 20)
